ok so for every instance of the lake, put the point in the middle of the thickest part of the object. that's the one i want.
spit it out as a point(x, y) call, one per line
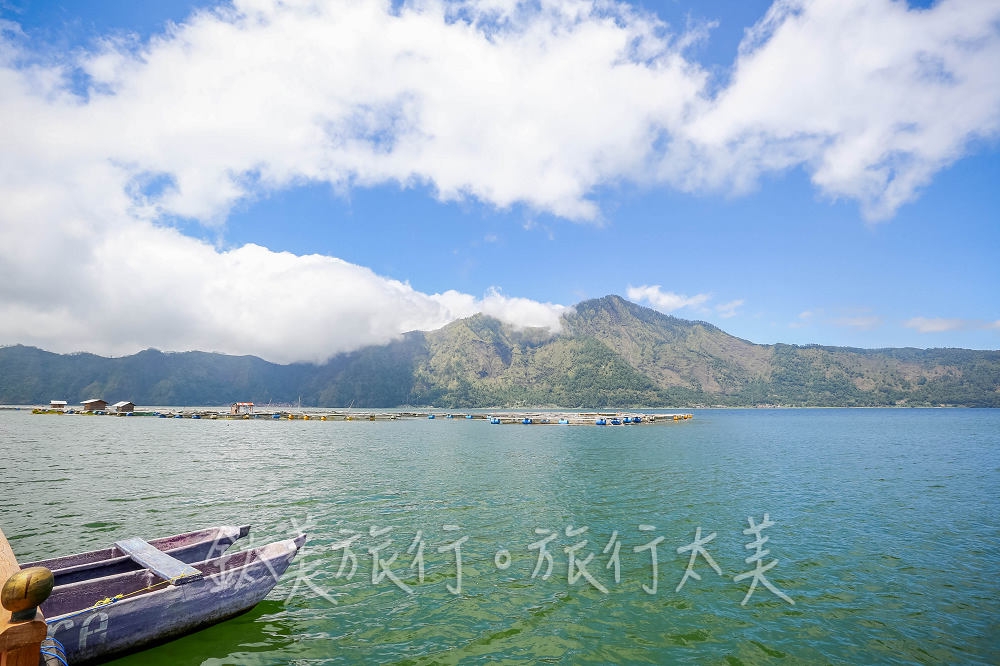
point(882, 533)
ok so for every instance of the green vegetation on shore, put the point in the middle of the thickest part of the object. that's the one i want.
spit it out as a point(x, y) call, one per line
point(610, 353)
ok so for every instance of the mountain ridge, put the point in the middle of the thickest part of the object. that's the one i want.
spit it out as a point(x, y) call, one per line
point(609, 353)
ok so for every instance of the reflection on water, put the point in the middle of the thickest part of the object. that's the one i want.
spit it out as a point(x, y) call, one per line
point(886, 532)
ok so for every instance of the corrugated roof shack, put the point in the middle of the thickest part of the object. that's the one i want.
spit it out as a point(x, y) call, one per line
point(57, 404)
point(94, 405)
point(123, 407)
point(238, 408)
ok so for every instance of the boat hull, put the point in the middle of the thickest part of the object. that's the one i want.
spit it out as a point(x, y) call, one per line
point(231, 585)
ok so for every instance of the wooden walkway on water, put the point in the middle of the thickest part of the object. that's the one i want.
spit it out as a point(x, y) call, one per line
point(496, 418)
point(500, 417)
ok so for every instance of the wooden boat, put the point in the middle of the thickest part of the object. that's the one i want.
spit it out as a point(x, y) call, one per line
point(189, 547)
point(99, 618)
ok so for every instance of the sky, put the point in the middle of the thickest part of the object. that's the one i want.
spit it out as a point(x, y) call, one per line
point(295, 179)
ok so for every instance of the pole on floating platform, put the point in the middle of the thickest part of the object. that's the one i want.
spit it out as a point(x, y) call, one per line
point(22, 627)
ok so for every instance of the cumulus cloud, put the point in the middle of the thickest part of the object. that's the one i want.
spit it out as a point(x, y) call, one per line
point(490, 100)
point(664, 301)
point(532, 103)
point(870, 96)
point(510, 102)
point(143, 286)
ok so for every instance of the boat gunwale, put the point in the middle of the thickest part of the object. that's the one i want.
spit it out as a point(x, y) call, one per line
point(67, 564)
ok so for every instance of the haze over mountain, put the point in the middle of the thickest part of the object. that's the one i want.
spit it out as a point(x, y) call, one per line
point(609, 353)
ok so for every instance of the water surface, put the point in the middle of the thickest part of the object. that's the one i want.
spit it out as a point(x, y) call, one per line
point(886, 532)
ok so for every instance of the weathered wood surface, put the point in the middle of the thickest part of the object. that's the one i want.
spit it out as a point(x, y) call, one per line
point(161, 564)
point(20, 642)
point(8, 561)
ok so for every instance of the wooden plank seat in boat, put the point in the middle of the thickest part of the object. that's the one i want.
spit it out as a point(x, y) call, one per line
point(189, 547)
point(161, 564)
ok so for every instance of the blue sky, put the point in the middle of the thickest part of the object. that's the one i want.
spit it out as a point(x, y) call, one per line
point(292, 180)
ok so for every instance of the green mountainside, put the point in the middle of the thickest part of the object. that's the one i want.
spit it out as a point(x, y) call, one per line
point(610, 353)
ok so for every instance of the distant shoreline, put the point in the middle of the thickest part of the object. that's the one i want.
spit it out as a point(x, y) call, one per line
point(409, 409)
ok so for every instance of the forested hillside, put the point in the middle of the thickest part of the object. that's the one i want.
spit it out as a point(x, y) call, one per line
point(609, 353)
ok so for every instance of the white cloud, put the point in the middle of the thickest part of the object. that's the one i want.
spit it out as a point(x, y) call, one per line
point(142, 286)
point(934, 325)
point(536, 107)
point(943, 325)
point(520, 312)
point(506, 102)
point(861, 322)
point(728, 310)
point(872, 97)
point(664, 301)
point(805, 318)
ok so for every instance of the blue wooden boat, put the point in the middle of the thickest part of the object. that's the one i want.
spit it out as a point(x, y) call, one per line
point(103, 617)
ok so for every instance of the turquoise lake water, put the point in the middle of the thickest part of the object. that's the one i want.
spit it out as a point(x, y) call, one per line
point(886, 533)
